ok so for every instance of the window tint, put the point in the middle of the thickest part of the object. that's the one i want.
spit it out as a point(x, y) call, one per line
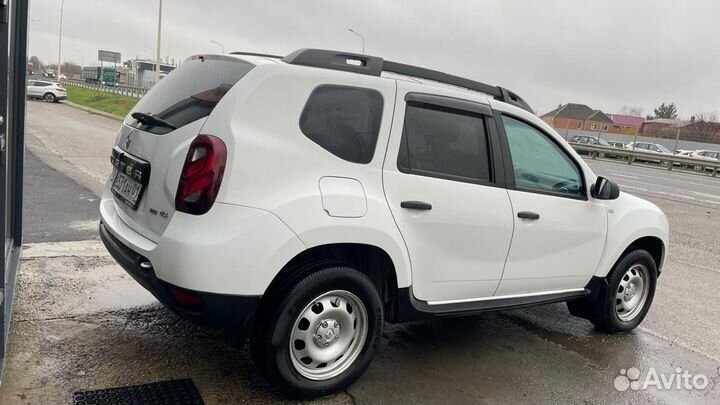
point(343, 120)
point(41, 84)
point(539, 163)
point(190, 92)
point(443, 142)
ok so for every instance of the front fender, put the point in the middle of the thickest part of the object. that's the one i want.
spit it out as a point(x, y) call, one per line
point(629, 219)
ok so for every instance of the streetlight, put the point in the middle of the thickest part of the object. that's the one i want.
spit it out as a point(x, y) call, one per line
point(157, 59)
point(59, 68)
point(358, 34)
point(219, 44)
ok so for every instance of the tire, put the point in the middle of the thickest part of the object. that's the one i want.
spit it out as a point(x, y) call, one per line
point(306, 350)
point(49, 97)
point(665, 163)
point(618, 309)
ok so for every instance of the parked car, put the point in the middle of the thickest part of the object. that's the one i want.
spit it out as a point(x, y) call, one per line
point(616, 144)
point(308, 199)
point(705, 155)
point(682, 153)
point(48, 91)
point(595, 141)
point(651, 148)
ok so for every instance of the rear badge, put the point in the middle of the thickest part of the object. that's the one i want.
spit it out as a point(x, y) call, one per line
point(162, 214)
point(128, 140)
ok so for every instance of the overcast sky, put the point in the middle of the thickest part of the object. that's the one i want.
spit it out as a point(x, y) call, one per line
point(604, 53)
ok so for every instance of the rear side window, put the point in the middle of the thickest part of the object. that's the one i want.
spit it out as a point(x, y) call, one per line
point(191, 91)
point(343, 120)
point(446, 143)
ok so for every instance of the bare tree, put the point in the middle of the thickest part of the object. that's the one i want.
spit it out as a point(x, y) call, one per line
point(632, 111)
point(711, 116)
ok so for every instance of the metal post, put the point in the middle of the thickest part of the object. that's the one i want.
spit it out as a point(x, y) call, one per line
point(677, 138)
point(157, 58)
point(59, 69)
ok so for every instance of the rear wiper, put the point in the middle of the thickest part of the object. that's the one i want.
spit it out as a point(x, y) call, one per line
point(150, 119)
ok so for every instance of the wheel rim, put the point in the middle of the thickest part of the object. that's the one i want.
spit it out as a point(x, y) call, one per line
point(328, 335)
point(49, 97)
point(632, 292)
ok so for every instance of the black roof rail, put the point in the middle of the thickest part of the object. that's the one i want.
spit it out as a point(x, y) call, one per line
point(374, 66)
point(345, 61)
point(264, 55)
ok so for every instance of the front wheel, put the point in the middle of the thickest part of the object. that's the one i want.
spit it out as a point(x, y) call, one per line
point(627, 299)
point(319, 337)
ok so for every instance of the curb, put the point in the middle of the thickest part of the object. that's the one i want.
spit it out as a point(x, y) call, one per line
point(91, 110)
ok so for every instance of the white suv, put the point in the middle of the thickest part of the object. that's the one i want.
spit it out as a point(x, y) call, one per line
point(306, 200)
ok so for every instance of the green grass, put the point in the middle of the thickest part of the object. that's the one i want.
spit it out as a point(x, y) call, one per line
point(107, 102)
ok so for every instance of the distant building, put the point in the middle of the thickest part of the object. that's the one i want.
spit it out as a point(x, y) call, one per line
point(141, 73)
point(578, 117)
point(652, 127)
point(626, 124)
point(690, 130)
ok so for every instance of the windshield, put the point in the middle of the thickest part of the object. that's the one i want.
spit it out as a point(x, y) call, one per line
point(663, 149)
point(604, 142)
point(189, 92)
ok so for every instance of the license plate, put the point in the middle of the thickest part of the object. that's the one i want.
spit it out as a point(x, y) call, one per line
point(131, 178)
point(127, 189)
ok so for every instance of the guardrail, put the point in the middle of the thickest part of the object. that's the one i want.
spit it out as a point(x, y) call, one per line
point(137, 92)
point(669, 162)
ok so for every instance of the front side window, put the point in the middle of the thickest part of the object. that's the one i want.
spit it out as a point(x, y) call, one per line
point(539, 163)
point(344, 120)
point(445, 143)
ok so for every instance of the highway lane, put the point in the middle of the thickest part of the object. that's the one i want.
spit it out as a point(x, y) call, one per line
point(659, 183)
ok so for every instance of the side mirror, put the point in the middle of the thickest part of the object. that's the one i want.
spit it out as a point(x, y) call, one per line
point(605, 189)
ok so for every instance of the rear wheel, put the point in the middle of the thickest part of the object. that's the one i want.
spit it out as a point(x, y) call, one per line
point(320, 336)
point(49, 97)
point(622, 306)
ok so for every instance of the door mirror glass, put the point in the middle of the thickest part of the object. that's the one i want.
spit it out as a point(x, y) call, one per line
point(605, 189)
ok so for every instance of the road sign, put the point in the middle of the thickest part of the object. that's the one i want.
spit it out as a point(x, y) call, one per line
point(109, 56)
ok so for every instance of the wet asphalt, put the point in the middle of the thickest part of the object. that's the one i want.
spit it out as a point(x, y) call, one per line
point(81, 323)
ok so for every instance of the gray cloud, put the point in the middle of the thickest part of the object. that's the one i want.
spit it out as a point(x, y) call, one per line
point(606, 53)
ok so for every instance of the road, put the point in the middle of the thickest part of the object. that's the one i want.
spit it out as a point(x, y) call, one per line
point(81, 323)
point(660, 183)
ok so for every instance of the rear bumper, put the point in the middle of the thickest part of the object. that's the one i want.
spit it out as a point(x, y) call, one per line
point(218, 310)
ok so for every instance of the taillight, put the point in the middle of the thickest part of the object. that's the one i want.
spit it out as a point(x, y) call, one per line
point(201, 175)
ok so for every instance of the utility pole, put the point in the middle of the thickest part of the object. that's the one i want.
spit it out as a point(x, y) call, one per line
point(59, 67)
point(157, 48)
point(677, 138)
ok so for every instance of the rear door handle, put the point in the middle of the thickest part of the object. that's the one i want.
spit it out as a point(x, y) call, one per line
point(416, 205)
point(528, 215)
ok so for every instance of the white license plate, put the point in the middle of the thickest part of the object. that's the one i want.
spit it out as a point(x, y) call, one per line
point(127, 189)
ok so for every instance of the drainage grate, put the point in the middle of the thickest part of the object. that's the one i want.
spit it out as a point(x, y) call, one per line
point(173, 392)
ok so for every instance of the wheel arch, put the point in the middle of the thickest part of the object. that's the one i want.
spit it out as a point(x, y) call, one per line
point(371, 260)
point(653, 245)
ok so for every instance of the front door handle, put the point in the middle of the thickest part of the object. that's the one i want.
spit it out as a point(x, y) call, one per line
point(528, 215)
point(416, 205)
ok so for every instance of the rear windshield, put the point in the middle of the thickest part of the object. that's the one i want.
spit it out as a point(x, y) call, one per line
point(190, 92)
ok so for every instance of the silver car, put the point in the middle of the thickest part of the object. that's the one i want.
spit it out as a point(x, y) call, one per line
point(44, 90)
